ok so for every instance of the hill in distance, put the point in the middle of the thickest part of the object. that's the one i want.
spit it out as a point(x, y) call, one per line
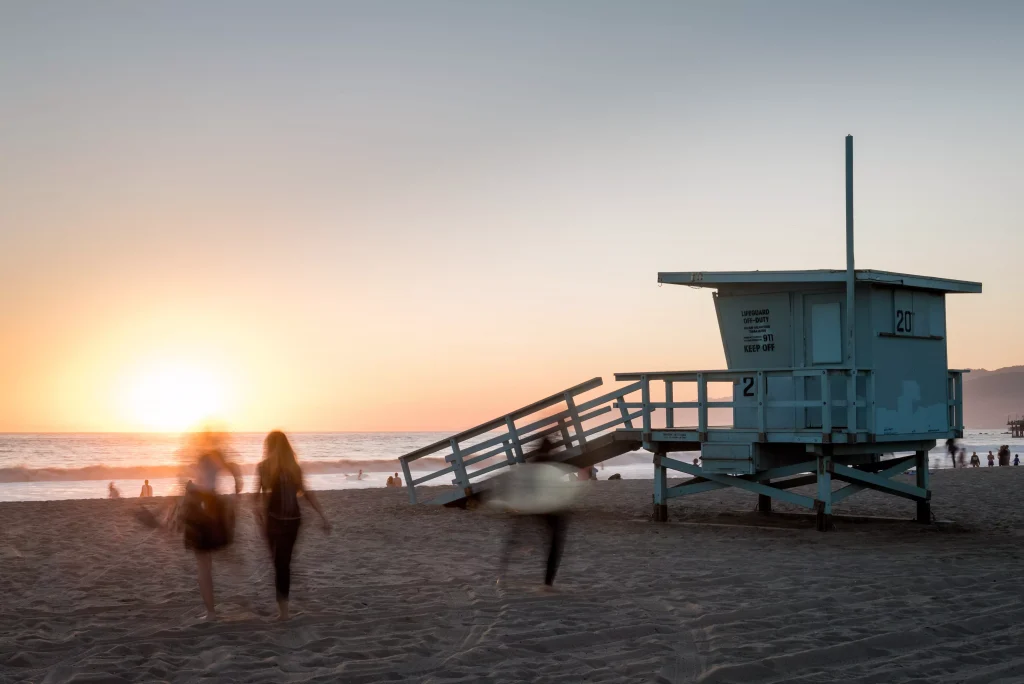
point(992, 396)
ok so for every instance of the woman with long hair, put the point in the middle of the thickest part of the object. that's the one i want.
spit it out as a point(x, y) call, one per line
point(278, 486)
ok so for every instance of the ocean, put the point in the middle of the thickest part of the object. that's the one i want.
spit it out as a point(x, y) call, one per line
point(42, 467)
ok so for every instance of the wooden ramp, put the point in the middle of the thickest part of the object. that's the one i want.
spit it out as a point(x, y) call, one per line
point(584, 431)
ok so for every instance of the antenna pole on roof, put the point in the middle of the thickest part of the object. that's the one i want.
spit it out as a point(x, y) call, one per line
point(851, 275)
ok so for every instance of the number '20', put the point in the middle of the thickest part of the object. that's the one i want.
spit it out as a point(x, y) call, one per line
point(904, 321)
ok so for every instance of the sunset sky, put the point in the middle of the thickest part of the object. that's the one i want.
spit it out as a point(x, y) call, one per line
point(418, 215)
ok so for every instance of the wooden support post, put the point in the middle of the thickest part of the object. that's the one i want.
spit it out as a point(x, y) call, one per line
point(670, 420)
point(461, 476)
point(625, 413)
point(702, 407)
point(824, 498)
point(408, 480)
point(660, 490)
point(762, 399)
point(516, 444)
point(826, 407)
point(851, 406)
point(924, 508)
point(566, 438)
point(577, 424)
point(645, 394)
point(958, 409)
point(764, 502)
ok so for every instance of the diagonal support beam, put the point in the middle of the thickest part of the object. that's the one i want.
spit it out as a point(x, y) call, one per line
point(886, 469)
point(701, 484)
point(738, 482)
point(797, 482)
point(879, 483)
point(688, 488)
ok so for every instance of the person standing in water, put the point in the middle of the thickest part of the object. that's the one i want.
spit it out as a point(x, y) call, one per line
point(991, 459)
point(209, 519)
point(278, 486)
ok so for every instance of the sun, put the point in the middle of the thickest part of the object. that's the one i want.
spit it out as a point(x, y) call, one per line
point(176, 397)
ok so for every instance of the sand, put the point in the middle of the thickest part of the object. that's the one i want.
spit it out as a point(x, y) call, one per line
point(403, 593)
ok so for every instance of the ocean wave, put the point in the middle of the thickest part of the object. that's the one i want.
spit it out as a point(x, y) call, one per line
point(154, 472)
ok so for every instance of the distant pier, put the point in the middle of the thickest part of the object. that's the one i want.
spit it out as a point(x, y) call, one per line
point(1016, 426)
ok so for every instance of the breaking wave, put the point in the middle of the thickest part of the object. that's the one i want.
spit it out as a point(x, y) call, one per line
point(153, 472)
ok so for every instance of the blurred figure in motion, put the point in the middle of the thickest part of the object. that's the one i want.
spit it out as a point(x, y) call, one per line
point(962, 458)
point(538, 494)
point(952, 449)
point(278, 486)
point(209, 519)
point(112, 491)
point(147, 491)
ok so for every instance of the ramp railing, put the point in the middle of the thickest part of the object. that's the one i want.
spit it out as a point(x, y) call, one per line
point(815, 401)
point(502, 442)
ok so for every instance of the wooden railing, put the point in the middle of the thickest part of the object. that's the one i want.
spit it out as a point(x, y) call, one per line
point(569, 425)
point(955, 398)
point(570, 420)
point(754, 397)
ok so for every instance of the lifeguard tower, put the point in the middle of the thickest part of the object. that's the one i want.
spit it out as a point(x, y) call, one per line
point(831, 375)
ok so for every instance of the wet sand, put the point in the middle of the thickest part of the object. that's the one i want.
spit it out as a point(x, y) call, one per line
point(403, 593)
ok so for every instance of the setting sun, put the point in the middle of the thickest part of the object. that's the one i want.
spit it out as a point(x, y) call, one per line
point(173, 398)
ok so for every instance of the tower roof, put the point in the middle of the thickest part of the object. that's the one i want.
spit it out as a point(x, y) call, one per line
point(718, 278)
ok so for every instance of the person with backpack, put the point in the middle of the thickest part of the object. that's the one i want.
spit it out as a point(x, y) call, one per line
point(279, 484)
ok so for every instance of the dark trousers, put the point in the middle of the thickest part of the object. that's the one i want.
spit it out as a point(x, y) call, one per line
point(281, 535)
point(554, 524)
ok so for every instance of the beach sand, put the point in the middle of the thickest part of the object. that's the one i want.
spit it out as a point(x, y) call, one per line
point(408, 593)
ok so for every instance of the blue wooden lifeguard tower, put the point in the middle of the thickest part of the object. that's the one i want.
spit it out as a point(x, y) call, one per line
point(831, 375)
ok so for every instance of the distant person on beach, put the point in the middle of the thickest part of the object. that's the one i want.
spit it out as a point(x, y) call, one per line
point(279, 484)
point(952, 449)
point(360, 475)
point(1016, 459)
point(545, 508)
point(147, 491)
point(397, 480)
point(112, 491)
point(209, 519)
point(975, 461)
point(991, 459)
point(390, 482)
point(962, 458)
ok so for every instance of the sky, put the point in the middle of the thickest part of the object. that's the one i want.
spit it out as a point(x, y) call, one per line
point(420, 215)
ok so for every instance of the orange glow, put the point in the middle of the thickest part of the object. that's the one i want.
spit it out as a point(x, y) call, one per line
point(173, 397)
